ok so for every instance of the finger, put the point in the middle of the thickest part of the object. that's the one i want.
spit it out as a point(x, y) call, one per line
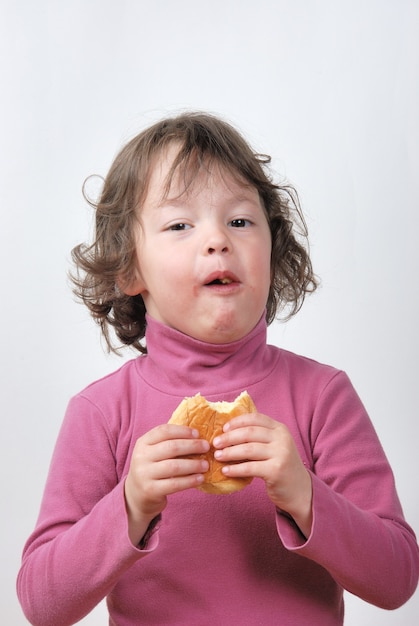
point(243, 434)
point(175, 468)
point(247, 469)
point(250, 419)
point(154, 448)
point(175, 448)
point(172, 485)
point(172, 476)
point(249, 451)
point(164, 432)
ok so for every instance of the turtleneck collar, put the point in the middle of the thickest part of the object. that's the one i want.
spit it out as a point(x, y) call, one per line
point(181, 365)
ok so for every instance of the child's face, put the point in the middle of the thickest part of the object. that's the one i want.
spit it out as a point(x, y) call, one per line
point(203, 255)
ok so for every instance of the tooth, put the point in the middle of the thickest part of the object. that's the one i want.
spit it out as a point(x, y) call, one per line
point(226, 281)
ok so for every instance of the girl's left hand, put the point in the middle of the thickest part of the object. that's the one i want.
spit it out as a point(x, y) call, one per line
point(255, 445)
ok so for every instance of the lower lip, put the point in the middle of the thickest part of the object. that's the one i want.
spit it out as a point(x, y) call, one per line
point(224, 289)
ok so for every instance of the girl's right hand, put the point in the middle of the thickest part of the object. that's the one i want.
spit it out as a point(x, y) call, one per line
point(158, 469)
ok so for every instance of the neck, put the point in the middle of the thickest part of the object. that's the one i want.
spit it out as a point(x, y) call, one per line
point(178, 363)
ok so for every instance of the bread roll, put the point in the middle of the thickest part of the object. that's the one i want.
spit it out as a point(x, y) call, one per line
point(209, 418)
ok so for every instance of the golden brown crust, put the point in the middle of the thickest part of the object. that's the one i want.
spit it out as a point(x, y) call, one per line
point(209, 418)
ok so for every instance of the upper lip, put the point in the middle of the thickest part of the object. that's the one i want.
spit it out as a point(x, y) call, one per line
point(221, 276)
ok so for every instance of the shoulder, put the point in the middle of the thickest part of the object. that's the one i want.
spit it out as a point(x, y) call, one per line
point(302, 383)
point(107, 404)
point(112, 392)
point(119, 379)
point(306, 368)
point(312, 383)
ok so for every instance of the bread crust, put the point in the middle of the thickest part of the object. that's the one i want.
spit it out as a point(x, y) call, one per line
point(209, 418)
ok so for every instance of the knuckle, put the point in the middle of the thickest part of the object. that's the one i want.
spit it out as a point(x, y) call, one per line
point(174, 448)
point(276, 467)
point(150, 492)
point(248, 450)
point(174, 467)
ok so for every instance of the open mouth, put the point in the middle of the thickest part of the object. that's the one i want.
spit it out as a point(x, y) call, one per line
point(220, 278)
point(221, 281)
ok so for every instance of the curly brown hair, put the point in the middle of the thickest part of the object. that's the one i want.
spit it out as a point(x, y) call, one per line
point(109, 261)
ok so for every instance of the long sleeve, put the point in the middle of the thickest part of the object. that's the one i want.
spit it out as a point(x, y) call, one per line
point(80, 547)
point(359, 534)
point(217, 559)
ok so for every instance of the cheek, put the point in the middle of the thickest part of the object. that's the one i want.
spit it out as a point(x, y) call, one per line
point(267, 275)
point(166, 275)
point(262, 262)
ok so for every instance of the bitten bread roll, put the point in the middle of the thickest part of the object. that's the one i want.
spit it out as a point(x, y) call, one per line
point(209, 418)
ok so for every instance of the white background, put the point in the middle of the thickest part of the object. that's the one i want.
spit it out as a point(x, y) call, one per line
point(330, 88)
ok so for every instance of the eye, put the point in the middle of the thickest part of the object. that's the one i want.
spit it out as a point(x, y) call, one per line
point(240, 222)
point(179, 226)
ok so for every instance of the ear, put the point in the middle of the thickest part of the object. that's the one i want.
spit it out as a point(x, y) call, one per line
point(134, 286)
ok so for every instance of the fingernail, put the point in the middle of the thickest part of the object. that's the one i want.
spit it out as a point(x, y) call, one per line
point(218, 454)
point(216, 441)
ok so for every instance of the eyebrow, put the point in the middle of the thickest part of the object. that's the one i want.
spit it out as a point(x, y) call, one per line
point(178, 201)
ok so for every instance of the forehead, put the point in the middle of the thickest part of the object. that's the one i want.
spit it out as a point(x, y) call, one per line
point(168, 179)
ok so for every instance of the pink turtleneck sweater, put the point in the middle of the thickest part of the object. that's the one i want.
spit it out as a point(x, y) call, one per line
point(217, 560)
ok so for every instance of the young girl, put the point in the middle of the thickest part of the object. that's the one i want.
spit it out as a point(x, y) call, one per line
point(196, 251)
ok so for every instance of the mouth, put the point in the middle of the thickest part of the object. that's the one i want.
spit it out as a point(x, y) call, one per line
point(221, 278)
point(220, 281)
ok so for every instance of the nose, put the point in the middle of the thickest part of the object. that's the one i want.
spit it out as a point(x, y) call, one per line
point(217, 241)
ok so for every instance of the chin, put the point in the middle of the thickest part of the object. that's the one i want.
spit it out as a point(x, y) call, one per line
point(227, 333)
